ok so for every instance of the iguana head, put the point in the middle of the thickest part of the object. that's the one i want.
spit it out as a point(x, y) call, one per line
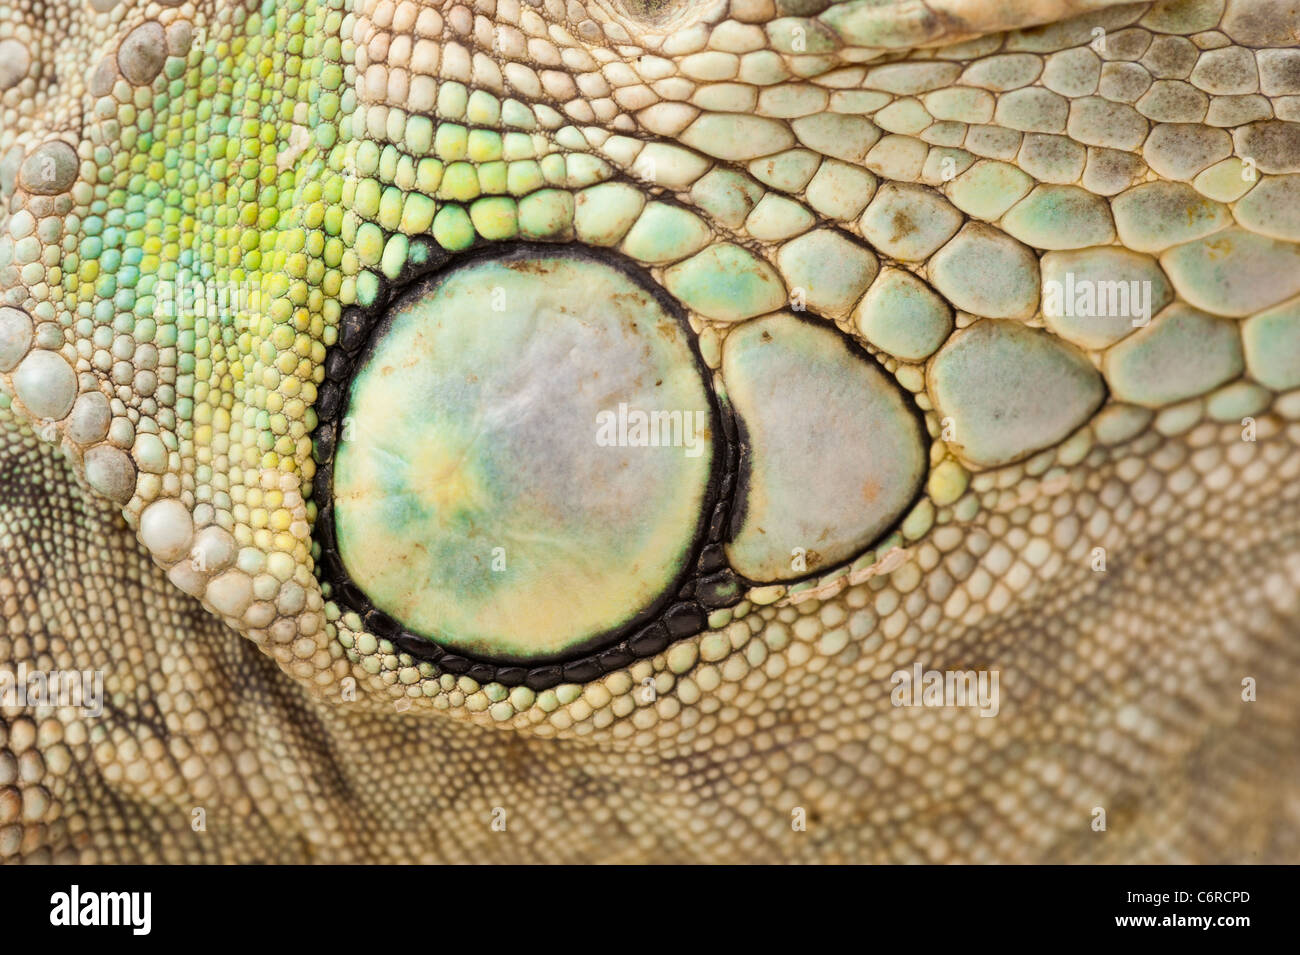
point(668, 375)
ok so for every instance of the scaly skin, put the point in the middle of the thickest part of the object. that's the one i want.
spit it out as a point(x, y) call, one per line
point(303, 738)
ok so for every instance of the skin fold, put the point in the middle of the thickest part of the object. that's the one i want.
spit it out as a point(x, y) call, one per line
point(1126, 558)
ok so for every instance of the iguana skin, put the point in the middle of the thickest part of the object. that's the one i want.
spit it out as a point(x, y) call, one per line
point(1122, 690)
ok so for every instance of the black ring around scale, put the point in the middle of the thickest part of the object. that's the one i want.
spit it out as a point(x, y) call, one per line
point(705, 585)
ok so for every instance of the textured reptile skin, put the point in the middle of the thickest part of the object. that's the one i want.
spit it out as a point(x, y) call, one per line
point(247, 716)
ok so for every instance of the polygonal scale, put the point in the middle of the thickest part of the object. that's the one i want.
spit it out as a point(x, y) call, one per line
point(832, 452)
